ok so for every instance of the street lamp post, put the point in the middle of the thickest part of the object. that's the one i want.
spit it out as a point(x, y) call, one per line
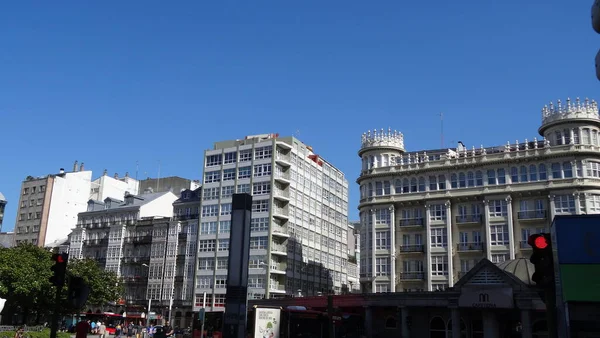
point(147, 293)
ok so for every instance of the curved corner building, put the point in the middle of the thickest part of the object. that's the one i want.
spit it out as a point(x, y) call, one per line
point(427, 217)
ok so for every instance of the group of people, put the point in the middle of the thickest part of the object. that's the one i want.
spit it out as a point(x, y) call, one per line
point(129, 330)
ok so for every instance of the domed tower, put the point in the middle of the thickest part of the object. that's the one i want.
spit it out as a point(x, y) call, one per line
point(378, 149)
point(571, 123)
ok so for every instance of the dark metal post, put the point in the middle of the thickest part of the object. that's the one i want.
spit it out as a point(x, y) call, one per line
point(55, 314)
point(236, 299)
point(331, 322)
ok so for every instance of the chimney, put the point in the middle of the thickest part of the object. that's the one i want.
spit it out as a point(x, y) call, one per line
point(75, 167)
point(61, 171)
point(127, 174)
point(105, 172)
point(81, 167)
point(116, 175)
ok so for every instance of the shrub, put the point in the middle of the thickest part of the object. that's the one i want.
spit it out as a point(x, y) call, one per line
point(35, 334)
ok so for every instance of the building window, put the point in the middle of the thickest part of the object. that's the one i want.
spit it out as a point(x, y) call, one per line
point(230, 157)
point(382, 266)
point(260, 206)
point(225, 209)
point(261, 188)
point(382, 240)
point(206, 245)
point(263, 152)
point(499, 258)
point(564, 204)
point(259, 224)
point(262, 170)
point(208, 228)
point(438, 212)
point(224, 244)
point(229, 174)
point(206, 264)
point(439, 265)
point(245, 155)
point(210, 210)
point(224, 227)
point(439, 238)
point(212, 176)
point(213, 160)
point(244, 172)
point(382, 287)
point(210, 194)
point(258, 242)
point(382, 216)
point(498, 208)
point(499, 235)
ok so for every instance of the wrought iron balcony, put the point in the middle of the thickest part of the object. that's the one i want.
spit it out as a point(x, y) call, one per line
point(412, 248)
point(470, 246)
point(462, 219)
point(532, 214)
point(411, 222)
point(414, 275)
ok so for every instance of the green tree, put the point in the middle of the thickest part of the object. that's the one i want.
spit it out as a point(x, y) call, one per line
point(24, 274)
point(105, 286)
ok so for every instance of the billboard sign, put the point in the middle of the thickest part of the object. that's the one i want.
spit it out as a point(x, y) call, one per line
point(267, 322)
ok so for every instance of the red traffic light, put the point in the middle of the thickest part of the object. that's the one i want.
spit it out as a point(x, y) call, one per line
point(60, 259)
point(540, 242)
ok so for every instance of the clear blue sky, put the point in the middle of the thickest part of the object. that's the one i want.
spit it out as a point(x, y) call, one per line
point(112, 82)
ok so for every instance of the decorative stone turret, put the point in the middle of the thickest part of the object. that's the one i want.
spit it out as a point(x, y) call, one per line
point(553, 114)
point(382, 139)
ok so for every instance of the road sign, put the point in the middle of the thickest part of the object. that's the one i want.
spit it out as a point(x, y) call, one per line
point(577, 239)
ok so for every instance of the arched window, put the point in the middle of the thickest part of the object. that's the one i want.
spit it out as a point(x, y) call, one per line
point(532, 173)
point(576, 136)
point(398, 187)
point(433, 183)
point(567, 134)
point(470, 179)
point(543, 172)
point(558, 137)
point(365, 163)
point(390, 323)
point(463, 329)
point(378, 188)
point(384, 160)
point(567, 170)
point(387, 188)
point(437, 328)
point(585, 136)
point(370, 189)
point(514, 175)
point(453, 181)
point(413, 185)
point(523, 170)
point(478, 178)
point(421, 184)
point(405, 186)
point(442, 182)
point(373, 163)
point(462, 181)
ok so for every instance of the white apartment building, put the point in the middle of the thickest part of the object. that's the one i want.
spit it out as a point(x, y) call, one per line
point(299, 219)
point(427, 217)
point(49, 205)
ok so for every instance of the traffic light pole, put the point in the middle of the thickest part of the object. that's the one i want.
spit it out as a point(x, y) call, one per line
point(55, 313)
point(551, 312)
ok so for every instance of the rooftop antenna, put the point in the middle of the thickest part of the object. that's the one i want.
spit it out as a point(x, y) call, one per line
point(297, 133)
point(137, 168)
point(442, 130)
point(158, 178)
